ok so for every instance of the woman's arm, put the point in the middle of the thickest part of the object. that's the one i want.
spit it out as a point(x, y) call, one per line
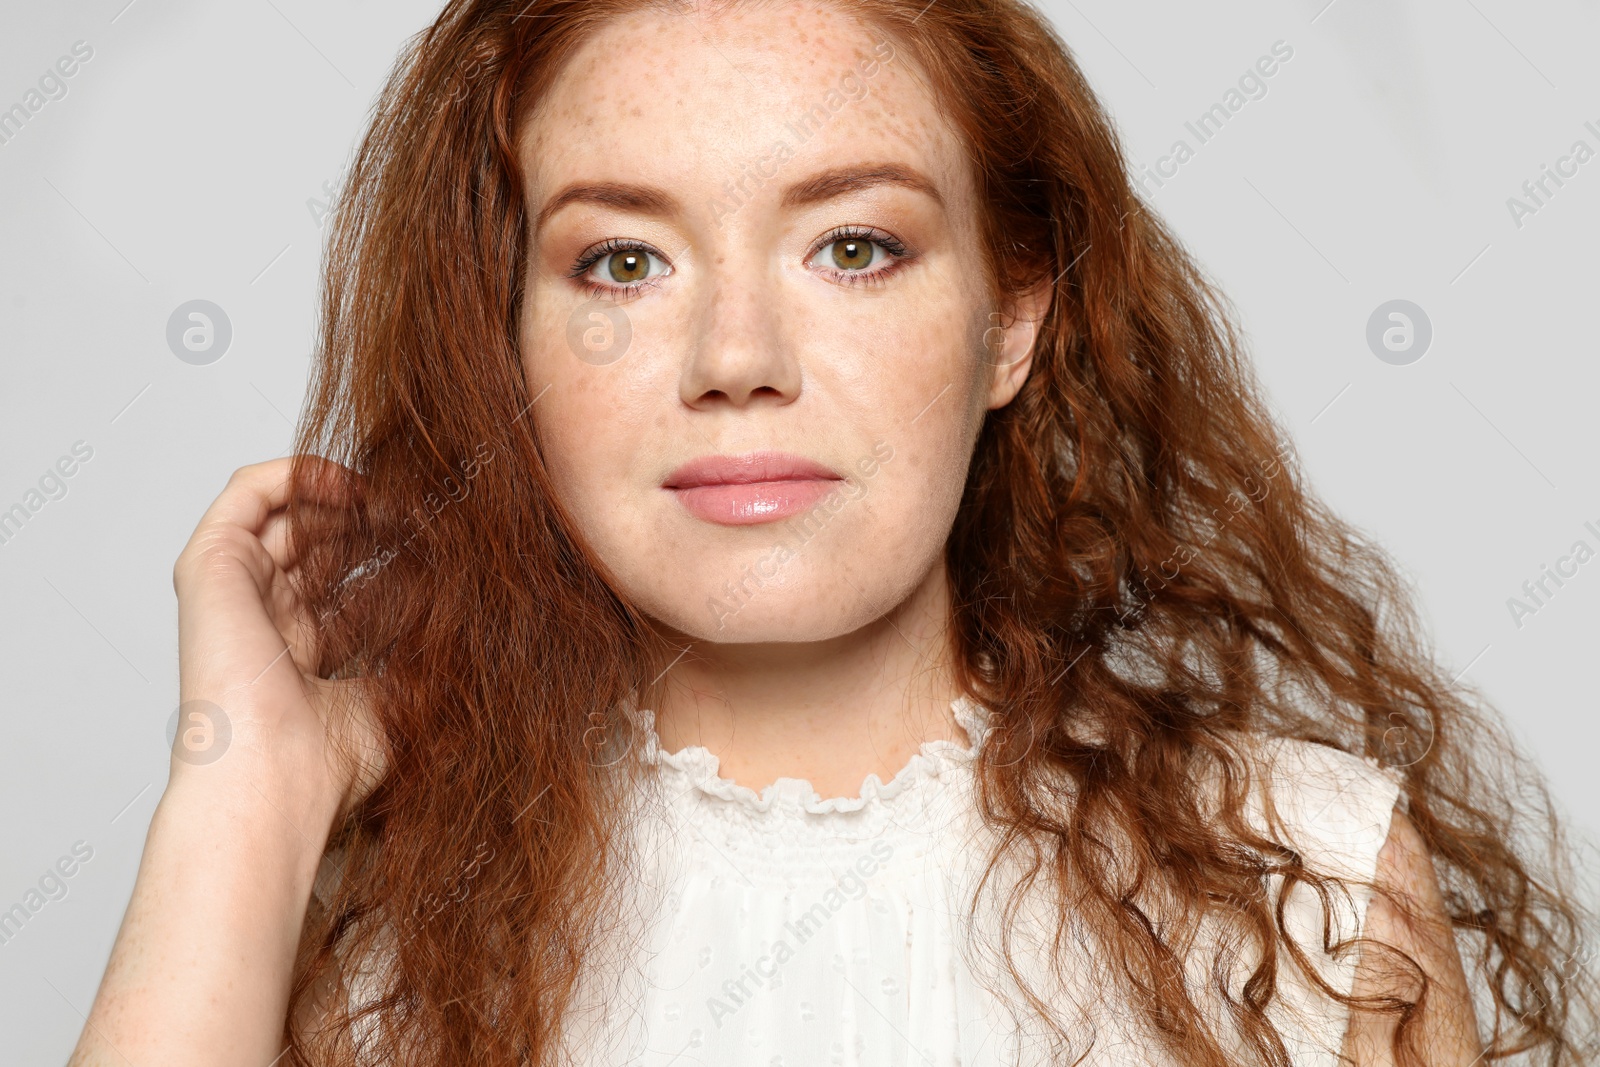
point(1447, 1028)
point(201, 968)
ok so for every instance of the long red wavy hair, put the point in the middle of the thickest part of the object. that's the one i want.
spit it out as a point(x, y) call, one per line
point(1138, 571)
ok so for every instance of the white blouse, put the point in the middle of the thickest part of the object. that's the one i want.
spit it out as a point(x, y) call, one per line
point(782, 929)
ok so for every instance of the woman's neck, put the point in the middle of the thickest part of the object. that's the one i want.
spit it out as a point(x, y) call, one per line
point(829, 711)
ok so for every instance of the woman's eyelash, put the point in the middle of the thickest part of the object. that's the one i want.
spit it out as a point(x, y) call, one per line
point(896, 250)
point(862, 233)
point(611, 246)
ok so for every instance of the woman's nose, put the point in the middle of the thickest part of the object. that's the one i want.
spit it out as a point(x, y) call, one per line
point(738, 349)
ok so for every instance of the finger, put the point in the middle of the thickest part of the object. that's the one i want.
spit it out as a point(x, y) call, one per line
point(277, 537)
point(277, 534)
point(293, 620)
point(255, 491)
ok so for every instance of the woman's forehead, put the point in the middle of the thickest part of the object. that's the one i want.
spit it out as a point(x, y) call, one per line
point(709, 99)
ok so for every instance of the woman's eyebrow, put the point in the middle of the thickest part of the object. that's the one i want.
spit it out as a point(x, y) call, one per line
point(640, 199)
point(825, 185)
point(843, 180)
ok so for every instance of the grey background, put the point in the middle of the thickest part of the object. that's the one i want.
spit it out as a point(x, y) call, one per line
point(185, 157)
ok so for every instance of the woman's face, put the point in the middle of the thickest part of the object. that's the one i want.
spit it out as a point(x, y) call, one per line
point(756, 318)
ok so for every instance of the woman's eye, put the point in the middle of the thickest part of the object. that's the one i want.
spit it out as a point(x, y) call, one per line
point(852, 254)
point(625, 267)
point(620, 266)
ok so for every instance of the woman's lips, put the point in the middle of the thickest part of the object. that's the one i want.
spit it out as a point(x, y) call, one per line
point(752, 488)
point(748, 503)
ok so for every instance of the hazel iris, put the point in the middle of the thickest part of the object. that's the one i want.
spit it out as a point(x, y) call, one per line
point(628, 266)
point(852, 254)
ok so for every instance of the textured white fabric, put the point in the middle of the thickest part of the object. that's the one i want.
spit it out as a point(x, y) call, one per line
point(782, 929)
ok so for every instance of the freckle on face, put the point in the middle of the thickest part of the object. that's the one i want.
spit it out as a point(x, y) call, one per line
point(743, 344)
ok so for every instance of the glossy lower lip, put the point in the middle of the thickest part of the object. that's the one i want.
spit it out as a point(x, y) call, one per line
point(749, 503)
point(755, 487)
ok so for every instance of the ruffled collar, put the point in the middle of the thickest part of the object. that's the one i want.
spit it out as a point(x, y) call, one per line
point(697, 768)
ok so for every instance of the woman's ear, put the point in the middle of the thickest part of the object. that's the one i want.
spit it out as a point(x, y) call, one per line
point(1008, 344)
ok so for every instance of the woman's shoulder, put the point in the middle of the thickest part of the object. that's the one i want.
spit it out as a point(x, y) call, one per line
point(1334, 808)
point(1331, 805)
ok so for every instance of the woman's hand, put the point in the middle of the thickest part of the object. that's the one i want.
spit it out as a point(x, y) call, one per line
point(267, 756)
point(248, 654)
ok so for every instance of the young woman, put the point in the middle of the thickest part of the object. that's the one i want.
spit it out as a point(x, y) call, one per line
point(801, 573)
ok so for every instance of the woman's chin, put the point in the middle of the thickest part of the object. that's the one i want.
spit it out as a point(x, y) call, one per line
point(784, 616)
